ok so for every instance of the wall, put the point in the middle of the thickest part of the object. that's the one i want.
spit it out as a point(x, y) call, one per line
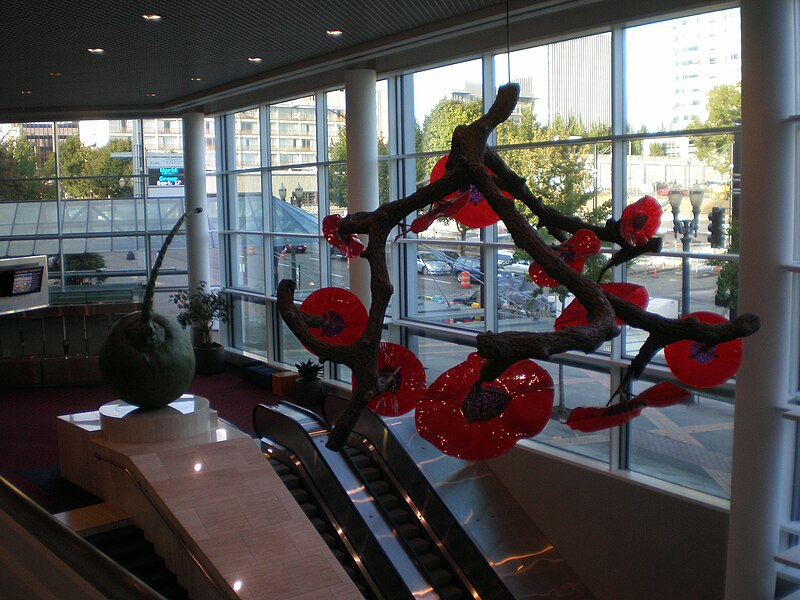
point(624, 540)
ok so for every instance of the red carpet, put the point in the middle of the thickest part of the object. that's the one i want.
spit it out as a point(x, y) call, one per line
point(28, 445)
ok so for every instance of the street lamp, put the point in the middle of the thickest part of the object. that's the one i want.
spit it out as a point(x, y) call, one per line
point(297, 194)
point(696, 198)
point(282, 192)
point(675, 196)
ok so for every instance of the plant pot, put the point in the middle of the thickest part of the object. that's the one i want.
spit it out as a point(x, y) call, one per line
point(308, 393)
point(209, 359)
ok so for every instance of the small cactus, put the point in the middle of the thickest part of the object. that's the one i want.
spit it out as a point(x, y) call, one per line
point(309, 370)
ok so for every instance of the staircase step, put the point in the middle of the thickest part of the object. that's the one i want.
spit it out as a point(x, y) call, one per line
point(94, 519)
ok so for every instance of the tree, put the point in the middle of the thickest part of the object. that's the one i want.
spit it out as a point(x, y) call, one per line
point(18, 164)
point(657, 149)
point(85, 164)
point(724, 110)
point(337, 176)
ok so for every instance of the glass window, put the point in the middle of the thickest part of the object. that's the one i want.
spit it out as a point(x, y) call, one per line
point(293, 131)
point(247, 139)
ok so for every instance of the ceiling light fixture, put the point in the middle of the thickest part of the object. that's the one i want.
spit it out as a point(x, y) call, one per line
point(95, 50)
point(151, 94)
point(333, 32)
point(55, 73)
point(152, 18)
point(255, 59)
point(25, 92)
point(197, 79)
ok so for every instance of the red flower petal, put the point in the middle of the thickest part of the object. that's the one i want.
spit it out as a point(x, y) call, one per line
point(345, 315)
point(701, 365)
point(473, 209)
point(575, 314)
point(595, 418)
point(474, 426)
point(640, 221)
point(583, 244)
point(330, 227)
point(405, 380)
point(664, 394)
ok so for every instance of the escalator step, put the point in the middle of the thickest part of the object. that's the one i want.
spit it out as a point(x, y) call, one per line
point(291, 481)
point(419, 545)
point(430, 562)
point(300, 495)
point(340, 556)
point(329, 540)
point(280, 468)
point(399, 515)
point(389, 501)
point(370, 474)
point(408, 531)
point(319, 524)
point(451, 593)
point(362, 461)
point(441, 577)
point(309, 509)
point(379, 487)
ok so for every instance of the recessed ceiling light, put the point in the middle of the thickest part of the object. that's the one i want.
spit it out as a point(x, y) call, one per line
point(151, 94)
point(55, 73)
point(197, 79)
point(26, 92)
point(334, 32)
point(96, 50)
point(152, 18)
point(255, 59)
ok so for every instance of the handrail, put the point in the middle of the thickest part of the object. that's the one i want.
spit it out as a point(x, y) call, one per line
point(99, 571)
point(224, 590)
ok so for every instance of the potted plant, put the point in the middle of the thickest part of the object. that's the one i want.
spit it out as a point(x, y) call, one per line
point(199, 308)
point(308, 388)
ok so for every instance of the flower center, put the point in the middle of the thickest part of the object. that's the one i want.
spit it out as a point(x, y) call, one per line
point(333, 324)
point(389, 379)
point(484, 403)
point(474, 195)
point(566, 252)
point(639, 221)
point(702, 353)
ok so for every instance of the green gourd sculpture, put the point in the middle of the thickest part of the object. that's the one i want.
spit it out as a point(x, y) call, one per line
point(147, 359)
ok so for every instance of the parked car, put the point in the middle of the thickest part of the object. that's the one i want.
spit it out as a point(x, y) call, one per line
point(428, 263)
point(473, 267)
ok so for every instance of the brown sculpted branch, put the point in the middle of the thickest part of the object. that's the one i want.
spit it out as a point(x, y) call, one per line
point(468, 160)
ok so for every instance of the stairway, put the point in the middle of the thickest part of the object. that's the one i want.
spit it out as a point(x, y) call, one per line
point(128, 547)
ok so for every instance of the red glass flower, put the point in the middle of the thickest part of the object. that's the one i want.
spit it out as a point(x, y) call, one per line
point(575, 314)
point(640, 221)
point(472, 209)
point(702, 365)
point(330, 228)
point(583, 244)
point(476, 422)
point(401, 376)
point(596, 418)
point(344, 315)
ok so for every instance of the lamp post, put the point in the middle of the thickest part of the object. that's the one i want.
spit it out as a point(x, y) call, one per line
point(686, 240)
point(297, 195)
point(696, 198)
point(675, 198)
point(282, 192)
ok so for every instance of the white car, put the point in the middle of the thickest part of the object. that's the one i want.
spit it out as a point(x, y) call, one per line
point(429, 263)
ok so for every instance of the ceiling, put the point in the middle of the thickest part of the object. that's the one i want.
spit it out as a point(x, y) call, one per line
point(48, 71)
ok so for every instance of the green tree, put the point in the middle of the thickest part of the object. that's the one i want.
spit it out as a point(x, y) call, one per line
point(17, 168)
point(724, 110)
point(86, 164)
point(337, 177)
point(657, 149)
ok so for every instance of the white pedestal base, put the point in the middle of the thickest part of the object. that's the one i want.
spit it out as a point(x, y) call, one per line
point(187, 416)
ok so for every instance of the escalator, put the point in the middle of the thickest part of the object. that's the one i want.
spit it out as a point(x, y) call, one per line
point(297, 438)
point(398, 507)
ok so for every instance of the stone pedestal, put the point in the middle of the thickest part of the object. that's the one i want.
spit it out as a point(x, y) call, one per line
point(187, 416)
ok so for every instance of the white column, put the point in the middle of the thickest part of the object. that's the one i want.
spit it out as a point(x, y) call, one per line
point(760, 435)
point(362, 162)
point(194, 167)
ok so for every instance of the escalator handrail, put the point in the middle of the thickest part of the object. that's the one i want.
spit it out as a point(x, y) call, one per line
point(464, 550)
point(298, 440)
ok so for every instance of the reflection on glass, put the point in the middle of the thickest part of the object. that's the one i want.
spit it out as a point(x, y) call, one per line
point(336, 112)
point(297, 258)
point(290, 350)
point(576, 387)
point(688, 444)
point(565, 90)
point(248, 268)
point(295, 208)
point(247, 139)
point(250, 325)
point(437, 356)
point(293, 132)
point(248, 207)
point(672, 67)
